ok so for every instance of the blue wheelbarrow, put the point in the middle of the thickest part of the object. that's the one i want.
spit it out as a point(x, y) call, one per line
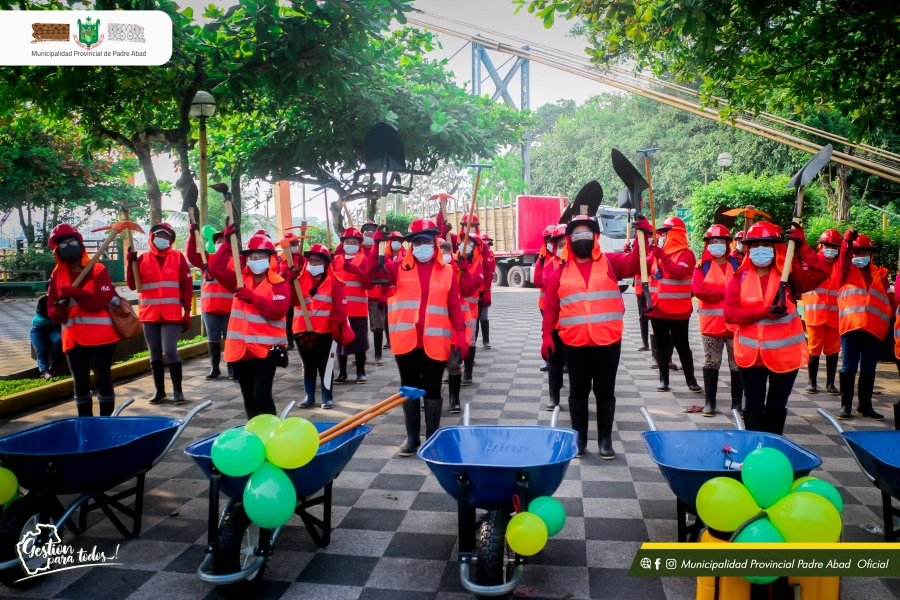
point(484, 467)
point(878, 455)
point(83, 456)
point(688, 458)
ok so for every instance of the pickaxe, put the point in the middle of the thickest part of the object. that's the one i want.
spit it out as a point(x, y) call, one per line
point(289, 259)
point(442, 202)
point(222, 188)
point(478, 168)
point(126, 208)
point(189, 205)
point(114, 230)
point(750, 213)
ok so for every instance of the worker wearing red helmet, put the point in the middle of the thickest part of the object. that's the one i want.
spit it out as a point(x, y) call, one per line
point(671, 280)
point(393, 252)
point(820, 313)
point(737, 247)
point(711, 276)
point(347, 265)
point(864, 314)
point(376, 294)
point(476, 225)
point(548, 251)
point(215, 305)
point(583, 320)
point(769, 344)
point(294, 249)
point(425, 323)
point(327, 310)
point(167, 291)
point(485, 298)
point(473, 262)
point(88, 336)
point(258, 311)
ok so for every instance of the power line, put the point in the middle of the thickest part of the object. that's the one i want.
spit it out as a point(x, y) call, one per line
point(458, 51)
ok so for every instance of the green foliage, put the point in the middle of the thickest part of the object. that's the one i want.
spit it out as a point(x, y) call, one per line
point(504, 179)
point(398, 221)
point(14, 386)
point(867, 221)
point(768, 194)
point(146, 353)
point(27, 261)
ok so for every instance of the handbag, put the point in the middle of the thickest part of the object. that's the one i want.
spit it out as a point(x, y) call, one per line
point(125, 321)
point(279, 355)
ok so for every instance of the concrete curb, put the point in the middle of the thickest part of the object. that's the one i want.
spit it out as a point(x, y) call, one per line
point(61, 389)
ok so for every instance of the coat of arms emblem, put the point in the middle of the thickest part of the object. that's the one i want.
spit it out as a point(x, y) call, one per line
point(88, 36)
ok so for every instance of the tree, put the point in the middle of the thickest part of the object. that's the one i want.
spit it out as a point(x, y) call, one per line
point(790, 56)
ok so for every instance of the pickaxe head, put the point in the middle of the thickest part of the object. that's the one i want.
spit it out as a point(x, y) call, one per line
point(129, 207)
point(647, 151)
point(120, 227)
point(303, 229)
point(749, 213)
point(479, 167)
point(442, 196)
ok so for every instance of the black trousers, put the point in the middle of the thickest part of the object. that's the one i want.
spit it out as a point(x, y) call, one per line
point(671, 332)
point(592, 367)
point(255, 376)
point(759, 400)
point(419, 370)
point(315, 359)
point(289, 324)
point(82, 359)
point(558, 356)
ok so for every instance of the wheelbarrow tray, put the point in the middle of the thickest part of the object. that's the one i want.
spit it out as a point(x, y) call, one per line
point(690, 458)
point(84, 456)
point(492, 456)
point(878, 452)
point(329, 461)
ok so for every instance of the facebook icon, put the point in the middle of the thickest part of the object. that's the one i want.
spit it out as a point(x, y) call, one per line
point(656, 564)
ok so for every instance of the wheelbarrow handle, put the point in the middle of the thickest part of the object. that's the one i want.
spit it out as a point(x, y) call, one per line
point(650, 422)
point(738, 421)
point(830, 418)
point(466, 415)
point(287, 409)
point(554, 417)
point(190, 416)
point(122, 407)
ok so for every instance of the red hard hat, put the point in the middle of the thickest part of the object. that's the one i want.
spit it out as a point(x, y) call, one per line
point(262, 232)
point(763, 231)
point(863, 242)
point(583, 220)
point(163, 227)
point(368, 226)
point(260, 243)
point(320, 249)
point(351, 232)
point(63, 230)
point(465, 219)
point(548, 230)
point(558, 232)
point(395, 235)
point(830, 236)
point(423, 226)
point(486, 238)
point(670, 223)
point(739, 235)
point(717, 231)
point(476, 238)
point(290, 235)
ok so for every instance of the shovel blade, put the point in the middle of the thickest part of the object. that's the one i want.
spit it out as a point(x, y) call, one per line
point(809, 171)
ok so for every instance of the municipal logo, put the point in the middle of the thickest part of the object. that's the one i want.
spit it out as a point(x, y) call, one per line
point(88, 36)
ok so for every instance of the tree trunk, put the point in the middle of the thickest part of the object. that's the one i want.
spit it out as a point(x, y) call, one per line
point(337, 218)
point(843, 191)
point(154, 195)
point(371, 208)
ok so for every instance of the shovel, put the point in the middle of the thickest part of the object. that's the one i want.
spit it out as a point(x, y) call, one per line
point(624, 201)
point(383, 151)
point(126, 208)
point(636, 184)
point(189, 205)
point(588, 200)
point(114, 230)
point(222, 188)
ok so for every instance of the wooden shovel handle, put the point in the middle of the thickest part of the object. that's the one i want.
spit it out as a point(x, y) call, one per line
point(235, 251)
point(343, 424)
point(90, 266)
point(289, 259)
point(334, 432)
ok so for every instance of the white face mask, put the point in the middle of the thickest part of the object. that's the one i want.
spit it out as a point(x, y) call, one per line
point(470, 248)
point(367, 241)
point(315, 269)
point(717, 250)
point(761, 256)
point(448, 258)
point(423, 253)
point(258, 266)
point(861, 262)
point(351, 250)
point(550, 248)
point(559, 250)
point(295, 249)
point(395, 246)
point(161, 243)
point(661, 240)
point(739, 247)
point(829, 252)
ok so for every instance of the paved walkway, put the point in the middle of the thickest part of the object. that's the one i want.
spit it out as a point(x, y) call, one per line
point(395, 528)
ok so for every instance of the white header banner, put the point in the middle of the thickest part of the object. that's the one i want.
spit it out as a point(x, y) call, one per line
point(85, 37)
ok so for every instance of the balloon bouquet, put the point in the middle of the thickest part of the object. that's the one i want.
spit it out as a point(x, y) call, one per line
point(528, 531)
point(769, 506)
point(262, 449)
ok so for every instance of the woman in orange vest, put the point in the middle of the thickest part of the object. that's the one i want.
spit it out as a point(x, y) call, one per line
point(327, 310)
point(864, 314)
point(473, 263)
point(294, 249)
point(710, 278)
point(583, 311)
point(769, 344)
point(548, 251)
point(820, 313)
point(375, 294)
point(258, 313)
point(393, 252)
point(671, 279)
point(165, 305)
point(556, 364)
point(425, 323)
point(215, 307)
point(348, 259)
point(88, 337)
point(485, 298)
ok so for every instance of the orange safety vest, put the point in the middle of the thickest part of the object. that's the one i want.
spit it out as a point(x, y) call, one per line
point(404, 312)
point(592, 312)
point(712, 314)
point(214, 298)
point(249, 330)
point(357, 299)
point(897, 333)
point(318, 305)
point(85, 328)
point(820, 306)
point(470, 307)
point(780, 343)
point(672, 296)
point(160, 297)
point(860, 308)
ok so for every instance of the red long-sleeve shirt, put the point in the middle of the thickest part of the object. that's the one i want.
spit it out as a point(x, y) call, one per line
point(191, 253)
point(845, 263)
point(683, 268)
point(489, 266)
point(706, 292)
point(104, 292)
point(221, 267)
point(538, 275)
point(185, 282)
point(338, 300)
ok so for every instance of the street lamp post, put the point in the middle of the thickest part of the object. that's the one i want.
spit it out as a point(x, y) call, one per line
point(202, 106)
point(724, 159)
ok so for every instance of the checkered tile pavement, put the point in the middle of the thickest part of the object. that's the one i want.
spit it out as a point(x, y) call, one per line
point(394, 527)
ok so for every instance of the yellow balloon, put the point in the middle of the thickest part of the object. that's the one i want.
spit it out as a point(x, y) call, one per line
point(262, 425)
point(806, 517)
point(292, 443)
point(724, 503)
point(9, 485)
point(526, 534)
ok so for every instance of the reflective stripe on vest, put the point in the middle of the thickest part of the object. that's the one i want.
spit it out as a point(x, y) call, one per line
point(319, 306)
point(780, 343)
point(672, 296)
point(214, 298)
point(85, 328)
point(712, 314)
point(404, 309)
point(160, 296)
point(250, 331)
point(862, 308)
point(357, 298)
point(592, 312)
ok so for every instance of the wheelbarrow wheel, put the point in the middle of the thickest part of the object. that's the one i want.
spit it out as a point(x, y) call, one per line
point(496, 562)
point(19, 518)
point(238, 538)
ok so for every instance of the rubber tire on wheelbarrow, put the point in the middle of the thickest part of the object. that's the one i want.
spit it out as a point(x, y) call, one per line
point(12, 524)
point(227, 555)
point(491, 550)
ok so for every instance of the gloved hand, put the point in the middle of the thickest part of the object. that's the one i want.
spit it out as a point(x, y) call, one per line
point(796, 233)
point(761, 313)
point(335, 329)
point(850, 235)
point(626, 247)
point(461, 262)
point(460, 342)
point(547, 347)
point(228, 232)
point(776, 311)
point(656, 252)
point(352, 269)
point(292, 274)
point(193, 227)
point(643, 224)
point(70, 291)
point(382, 302)
point(186, 321)
point(131, 255)
point(246, 295)
point(380, 235)
point(486, 298)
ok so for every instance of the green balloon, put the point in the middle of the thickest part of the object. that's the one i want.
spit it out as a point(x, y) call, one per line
point(9, 485)
point(208, 231)
point(806, 517)
point(292, 443)
point(551, 512)
point(269, 497)
point(724, 503)
point(262, 425)
point(760, 532)
point(526, 534)
point(824, 489)
point(238, 452)
point(768, 475)
point(800, 480)
point(210, 247)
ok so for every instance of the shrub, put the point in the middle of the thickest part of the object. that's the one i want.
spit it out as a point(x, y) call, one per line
point(27, 261)
point(887, 242)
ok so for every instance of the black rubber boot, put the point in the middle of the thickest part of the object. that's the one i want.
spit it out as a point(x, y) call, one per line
point(672, 365)
point(230, 370)
point(432, 415)
point(486, 335)
point(159, 381)
point(85, 406)
point(378, 336)
point(654, 363)
point(663, 385)
point(544, 366)
point(813, 369)
point(175, 374)
point(413, 421)
point(215, 354)
point(846, 381)
point(579, 414)
point(327, 395)
point(645, 330)
point(455, 382)
point(687, 365)
point(342, 370)
point(710, 383)
point(737, 392)
point(755, 421)
point(107, 405)
point(309, 386)
point(831, 362)
point(554, 381)
point(387, 340)
point(775, 421)
point(361, 368)
point(468, 363)
point(606, 411)
point(864, 405)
